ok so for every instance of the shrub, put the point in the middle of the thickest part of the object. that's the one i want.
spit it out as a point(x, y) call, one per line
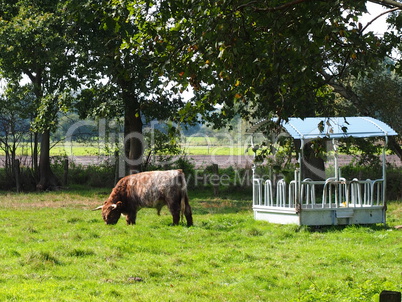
point(394, 183)
point(101, 175)
point(97, 176)
point(8, 182)
point(394, 177)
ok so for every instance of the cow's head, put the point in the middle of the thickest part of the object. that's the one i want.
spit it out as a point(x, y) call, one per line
point(111, 212)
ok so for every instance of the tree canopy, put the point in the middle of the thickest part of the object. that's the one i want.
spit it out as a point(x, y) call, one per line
point(134, 59)
point(259, 58)
point(123, 78)
point(33, 44)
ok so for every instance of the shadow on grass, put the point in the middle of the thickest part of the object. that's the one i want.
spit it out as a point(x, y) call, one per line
point(219, 206)
point(343, 228)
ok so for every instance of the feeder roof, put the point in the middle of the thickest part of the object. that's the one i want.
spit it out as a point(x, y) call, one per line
point(333, 127)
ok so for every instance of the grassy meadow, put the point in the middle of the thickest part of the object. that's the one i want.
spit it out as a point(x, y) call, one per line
point(54, 248)
point(191, 146)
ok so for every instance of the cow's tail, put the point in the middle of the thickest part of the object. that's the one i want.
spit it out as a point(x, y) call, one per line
point(185, 205)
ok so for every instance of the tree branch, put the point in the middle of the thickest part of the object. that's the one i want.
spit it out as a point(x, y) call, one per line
point(388, 3)
point(394, 5)
point(384, 13)
point(341, 89)
point(271, 9)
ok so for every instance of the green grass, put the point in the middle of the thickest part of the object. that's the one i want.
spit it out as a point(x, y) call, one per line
point(192, 146)
point(201, 140)
point(54, 248)
point(215, 150)
point(60, 149)
point(78, 149)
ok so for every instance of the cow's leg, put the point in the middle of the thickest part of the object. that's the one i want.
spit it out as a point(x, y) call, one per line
point(187, 209)
point(188, 214)
point(131, 217)
point(176, 217)
point(159, 208)
point(174, 208)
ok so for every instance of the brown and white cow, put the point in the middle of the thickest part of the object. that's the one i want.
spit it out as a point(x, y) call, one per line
point(152, 189)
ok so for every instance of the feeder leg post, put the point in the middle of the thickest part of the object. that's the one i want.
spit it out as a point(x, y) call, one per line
point(390, 296)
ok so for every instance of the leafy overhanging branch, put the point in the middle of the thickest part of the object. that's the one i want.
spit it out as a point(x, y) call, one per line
point(270, 9)
point(389, 3)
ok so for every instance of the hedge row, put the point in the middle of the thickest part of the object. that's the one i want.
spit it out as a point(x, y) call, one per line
point(212, 177)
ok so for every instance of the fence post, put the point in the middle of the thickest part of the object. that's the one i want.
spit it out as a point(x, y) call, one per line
point(17, 175)
point(390, 296)
point(215, 177)
point(117, 166)
point(65, 175)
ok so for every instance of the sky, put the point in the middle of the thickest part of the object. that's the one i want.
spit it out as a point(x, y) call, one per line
point(378, 26)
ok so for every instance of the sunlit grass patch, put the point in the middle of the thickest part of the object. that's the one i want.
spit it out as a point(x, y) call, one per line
point(63, 251)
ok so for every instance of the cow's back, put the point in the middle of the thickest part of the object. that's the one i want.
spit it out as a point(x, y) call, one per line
point(147, 188)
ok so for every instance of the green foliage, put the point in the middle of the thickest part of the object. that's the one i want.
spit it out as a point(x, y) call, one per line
point(225, 179)
point(261, 58)
point(134, 59)
point(394, 177)
point(365, 152)
point(185, 164)
point(33, 43)
point(162, 141)
point(360, 172)
point(15, 109)
point(380, 95)
point(118, 52)
point(95, 176)
point(394, 183)
point(226, 256)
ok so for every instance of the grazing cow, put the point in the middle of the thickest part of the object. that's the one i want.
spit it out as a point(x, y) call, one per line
point(152, 189)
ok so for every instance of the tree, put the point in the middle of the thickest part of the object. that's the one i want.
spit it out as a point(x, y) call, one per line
point(33, 44)
point(14, 124)
point(119, 62)
point(261, 59)
point(379, 95)
point(264, 58)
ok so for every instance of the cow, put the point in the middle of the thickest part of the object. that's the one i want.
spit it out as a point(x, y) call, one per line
point(152, 189)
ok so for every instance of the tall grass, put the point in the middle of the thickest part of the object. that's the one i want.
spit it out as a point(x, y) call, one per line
point(54, 248)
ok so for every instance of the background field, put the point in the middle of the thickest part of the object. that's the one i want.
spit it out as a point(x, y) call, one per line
point(192, 145)
point(54, 248)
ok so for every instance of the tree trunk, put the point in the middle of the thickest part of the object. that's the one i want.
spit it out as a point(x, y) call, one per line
point(394, 146)
point(312, 166)
point(133, 138)
point(35, 142)
point(34, 149)
point(48, 180)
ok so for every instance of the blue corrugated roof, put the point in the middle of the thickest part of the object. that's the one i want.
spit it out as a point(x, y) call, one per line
point(334, 127)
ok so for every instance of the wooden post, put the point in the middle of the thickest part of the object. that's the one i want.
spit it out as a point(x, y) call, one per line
point(215, 179)
point(117, 166)
point(65, 175)
point(390, 296)
point(17, 175)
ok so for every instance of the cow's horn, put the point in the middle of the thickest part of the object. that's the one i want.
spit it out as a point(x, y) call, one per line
point(114, 206)
point(98, 208)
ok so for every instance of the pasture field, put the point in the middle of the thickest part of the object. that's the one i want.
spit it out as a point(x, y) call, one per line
point(61, 149)
point(191, 146)
point(54, 248)
point(215, 150)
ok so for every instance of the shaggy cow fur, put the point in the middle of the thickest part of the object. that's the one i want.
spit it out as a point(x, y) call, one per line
point(148, 190)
